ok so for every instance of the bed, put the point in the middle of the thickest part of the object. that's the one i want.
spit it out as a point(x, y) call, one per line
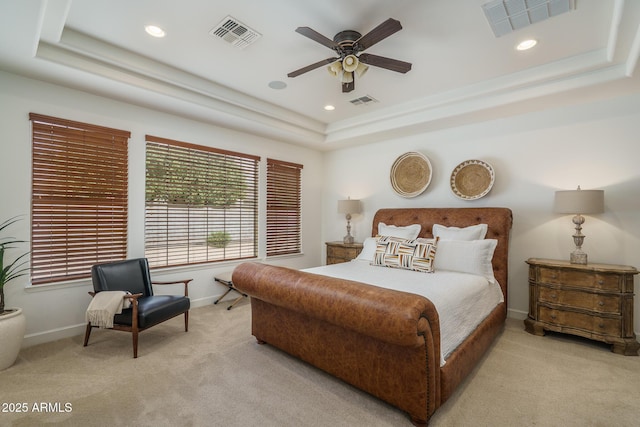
point(383, 340)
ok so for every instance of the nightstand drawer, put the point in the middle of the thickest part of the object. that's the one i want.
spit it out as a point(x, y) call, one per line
point(583, 321)
point(338, 252)
point(609, 282)
point(590, 301)
point(342, 253)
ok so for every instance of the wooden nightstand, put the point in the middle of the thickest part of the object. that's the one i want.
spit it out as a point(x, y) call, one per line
point(338, 252)
point(593, 301)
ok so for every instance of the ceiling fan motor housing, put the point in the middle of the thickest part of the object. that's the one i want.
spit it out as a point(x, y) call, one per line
point(346, 40)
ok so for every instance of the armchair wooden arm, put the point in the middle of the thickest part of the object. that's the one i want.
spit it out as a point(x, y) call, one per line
point(185, 281)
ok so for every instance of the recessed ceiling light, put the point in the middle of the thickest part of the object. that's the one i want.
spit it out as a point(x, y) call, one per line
point(276, 84)
point(526, 44)
point(154, 31)
point(329, 107)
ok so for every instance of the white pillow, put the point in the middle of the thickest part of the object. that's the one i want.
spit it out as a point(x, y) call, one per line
point(473, 232)
point(407, 232)
point(368, 249)
point(466, 256)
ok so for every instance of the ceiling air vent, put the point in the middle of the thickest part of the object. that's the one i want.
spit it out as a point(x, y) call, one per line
point(506, 16)
point(364, 100)
point(235, 32)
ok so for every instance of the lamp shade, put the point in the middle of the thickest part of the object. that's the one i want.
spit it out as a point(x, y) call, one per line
point(361, 69)
point(335, 68)
point(349, 206)
point(579, 202)
point(350, 63)
point(346, 77)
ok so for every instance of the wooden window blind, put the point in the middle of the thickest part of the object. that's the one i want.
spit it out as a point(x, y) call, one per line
point(79, 198)
point(283, 207)
point(201, 204)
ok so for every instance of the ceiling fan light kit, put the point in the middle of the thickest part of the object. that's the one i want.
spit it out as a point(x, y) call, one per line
point(350, 63)
point(349, 45)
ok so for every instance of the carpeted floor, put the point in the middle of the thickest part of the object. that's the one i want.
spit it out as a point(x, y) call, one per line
point(217, 375)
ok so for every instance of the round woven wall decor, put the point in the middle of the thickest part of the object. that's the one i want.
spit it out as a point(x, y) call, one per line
point(411, 174)
point(472, 179)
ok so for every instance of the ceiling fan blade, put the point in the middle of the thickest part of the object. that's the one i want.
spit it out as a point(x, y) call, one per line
point(317, 37)
point(382, 31)
point(312, 67)
point(382, 62)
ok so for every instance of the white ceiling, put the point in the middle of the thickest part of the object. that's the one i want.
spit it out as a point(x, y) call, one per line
point(461, 71)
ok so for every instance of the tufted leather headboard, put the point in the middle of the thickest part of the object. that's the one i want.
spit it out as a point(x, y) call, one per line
point(498, 220)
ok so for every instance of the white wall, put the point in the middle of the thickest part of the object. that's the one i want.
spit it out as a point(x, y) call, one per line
point(55, 311)
point(595, 146)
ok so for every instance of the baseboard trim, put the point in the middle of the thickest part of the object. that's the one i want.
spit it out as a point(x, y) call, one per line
point(517, 314)
point(53, 335)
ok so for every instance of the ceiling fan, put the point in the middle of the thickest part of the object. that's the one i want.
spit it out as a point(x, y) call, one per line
point(349, 45)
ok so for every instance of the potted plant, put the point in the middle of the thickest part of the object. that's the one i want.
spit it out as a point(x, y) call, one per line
point(12, 321)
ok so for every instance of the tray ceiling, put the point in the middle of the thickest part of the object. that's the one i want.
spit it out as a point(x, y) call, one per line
point(462, 72)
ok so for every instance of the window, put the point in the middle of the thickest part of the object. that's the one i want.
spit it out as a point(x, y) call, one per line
point(79, 198)
point(201, 204)
point(283, 208)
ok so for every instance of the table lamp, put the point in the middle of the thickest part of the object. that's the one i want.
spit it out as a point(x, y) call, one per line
point(579, 202)
point(349, 207)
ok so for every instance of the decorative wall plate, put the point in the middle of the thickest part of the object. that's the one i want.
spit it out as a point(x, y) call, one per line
point(472, 179)
point(411, 174)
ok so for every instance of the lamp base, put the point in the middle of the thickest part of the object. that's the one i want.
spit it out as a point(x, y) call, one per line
point(348, 239)
point(578, 257)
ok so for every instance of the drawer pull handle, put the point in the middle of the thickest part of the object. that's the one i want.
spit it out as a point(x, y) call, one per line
point(600, 282)
point(553, 316)
point(554, 276)
point(600, 303)
point(554, 295)
point(601, 325)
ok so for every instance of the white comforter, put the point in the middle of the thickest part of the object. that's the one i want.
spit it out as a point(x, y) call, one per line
point(462, 300)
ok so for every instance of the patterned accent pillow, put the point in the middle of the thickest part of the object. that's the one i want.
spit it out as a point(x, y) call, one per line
point(410, 254)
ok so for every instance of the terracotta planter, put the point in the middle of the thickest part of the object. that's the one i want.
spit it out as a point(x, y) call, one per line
point(12, 328)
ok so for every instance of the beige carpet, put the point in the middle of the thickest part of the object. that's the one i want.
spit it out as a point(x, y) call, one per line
point(216, 375)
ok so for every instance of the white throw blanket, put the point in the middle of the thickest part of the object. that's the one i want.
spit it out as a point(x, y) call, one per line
point(105, 305)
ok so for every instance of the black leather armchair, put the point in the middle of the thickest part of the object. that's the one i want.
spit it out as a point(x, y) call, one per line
point(146, 308)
